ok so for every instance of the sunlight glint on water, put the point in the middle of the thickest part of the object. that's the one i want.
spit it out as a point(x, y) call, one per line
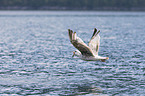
point(35, 53)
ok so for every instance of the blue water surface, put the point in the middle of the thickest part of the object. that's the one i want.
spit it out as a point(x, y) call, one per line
point(35, 54)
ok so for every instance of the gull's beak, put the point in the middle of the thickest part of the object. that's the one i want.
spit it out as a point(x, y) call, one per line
point(107, 58)
point(73, 54)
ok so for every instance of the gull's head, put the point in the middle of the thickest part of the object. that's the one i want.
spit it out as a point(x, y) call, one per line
point(106, 58)
point(76, 53)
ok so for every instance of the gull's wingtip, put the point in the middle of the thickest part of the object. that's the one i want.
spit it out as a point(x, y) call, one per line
point(95, 29)
point(98, 32)
point(70, 32)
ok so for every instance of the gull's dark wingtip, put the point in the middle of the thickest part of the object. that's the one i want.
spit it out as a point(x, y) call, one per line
point(98, 32)
point(95, 30)
point(70, 33)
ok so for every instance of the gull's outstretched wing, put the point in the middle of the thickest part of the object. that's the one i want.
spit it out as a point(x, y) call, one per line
point(79, 44)
point(95, 41)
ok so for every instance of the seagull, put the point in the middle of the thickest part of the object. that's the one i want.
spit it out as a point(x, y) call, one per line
point(87, 52)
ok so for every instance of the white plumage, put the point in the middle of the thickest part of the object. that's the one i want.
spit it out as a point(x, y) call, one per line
point(87, 52)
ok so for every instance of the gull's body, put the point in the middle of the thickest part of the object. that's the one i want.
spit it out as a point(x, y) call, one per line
point(87, 52)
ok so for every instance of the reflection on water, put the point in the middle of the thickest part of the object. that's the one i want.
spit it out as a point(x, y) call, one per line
point(35, 53)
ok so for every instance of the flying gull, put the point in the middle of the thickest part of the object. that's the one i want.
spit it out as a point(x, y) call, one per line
point(86, 52)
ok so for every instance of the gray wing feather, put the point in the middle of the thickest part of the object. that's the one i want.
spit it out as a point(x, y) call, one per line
point(79, 44)
point(95, 42)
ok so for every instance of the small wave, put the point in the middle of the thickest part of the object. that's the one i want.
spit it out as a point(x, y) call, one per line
point(109, 38)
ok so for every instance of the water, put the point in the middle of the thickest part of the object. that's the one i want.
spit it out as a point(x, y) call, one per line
point(35, 54)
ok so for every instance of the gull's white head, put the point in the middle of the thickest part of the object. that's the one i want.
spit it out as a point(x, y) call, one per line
point(76, 53)
point(104, 59)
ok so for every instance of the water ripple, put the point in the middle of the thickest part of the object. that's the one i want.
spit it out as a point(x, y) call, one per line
point(35, 54)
